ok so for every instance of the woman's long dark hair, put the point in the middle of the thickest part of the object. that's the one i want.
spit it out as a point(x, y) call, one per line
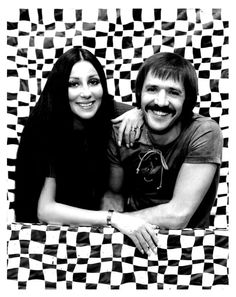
point(46, 138)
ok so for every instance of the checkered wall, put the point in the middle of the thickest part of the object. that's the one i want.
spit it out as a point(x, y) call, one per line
point(121, 39)
point(62, 257)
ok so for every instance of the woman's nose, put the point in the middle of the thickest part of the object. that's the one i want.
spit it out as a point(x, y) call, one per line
point(85, 92)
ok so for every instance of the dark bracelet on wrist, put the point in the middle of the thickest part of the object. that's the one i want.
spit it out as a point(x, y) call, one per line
point(109, 216)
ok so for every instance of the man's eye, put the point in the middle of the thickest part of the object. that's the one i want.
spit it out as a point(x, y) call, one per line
point(151, 89)
point(174, 93)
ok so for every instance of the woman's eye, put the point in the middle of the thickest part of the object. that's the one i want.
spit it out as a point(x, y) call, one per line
point(73, 84)
point(94, 81)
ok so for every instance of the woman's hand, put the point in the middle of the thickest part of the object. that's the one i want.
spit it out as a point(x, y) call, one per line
point(131, 122)
point(143, 234)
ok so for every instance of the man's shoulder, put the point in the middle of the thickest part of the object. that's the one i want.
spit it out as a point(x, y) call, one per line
point(202, 125)
point(200, 121)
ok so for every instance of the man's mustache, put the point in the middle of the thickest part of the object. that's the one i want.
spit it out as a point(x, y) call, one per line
point(156, 107)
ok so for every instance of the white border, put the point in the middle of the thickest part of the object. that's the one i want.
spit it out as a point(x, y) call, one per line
point(5, 10)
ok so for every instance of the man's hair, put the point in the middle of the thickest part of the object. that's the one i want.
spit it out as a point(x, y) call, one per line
point(171, 66)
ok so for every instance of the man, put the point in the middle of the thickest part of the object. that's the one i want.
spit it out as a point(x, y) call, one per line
point(169, 177)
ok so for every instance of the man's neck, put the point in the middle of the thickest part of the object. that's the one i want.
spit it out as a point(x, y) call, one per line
point(164, 138)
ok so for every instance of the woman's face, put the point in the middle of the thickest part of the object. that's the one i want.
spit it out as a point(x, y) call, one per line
point(85, 90)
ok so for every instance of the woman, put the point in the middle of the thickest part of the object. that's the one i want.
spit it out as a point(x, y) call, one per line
point(61, 169)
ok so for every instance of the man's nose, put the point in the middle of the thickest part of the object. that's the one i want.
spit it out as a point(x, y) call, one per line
point(161, 98)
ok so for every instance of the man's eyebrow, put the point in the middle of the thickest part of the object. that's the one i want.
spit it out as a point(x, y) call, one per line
point(176, 89)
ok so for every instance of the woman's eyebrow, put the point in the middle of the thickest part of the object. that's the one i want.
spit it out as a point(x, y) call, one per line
point(90, 76)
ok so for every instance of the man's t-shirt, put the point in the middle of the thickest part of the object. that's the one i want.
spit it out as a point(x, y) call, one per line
point(151, 170)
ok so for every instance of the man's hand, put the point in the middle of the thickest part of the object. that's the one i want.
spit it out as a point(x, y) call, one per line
point(144, 235)
point(130, 127)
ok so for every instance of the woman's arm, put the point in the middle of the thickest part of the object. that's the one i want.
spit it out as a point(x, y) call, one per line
point(51, 212)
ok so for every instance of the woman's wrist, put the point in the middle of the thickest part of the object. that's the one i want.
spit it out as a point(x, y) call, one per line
point(113, 218)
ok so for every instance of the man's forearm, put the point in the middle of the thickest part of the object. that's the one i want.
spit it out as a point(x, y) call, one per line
point(164, 216)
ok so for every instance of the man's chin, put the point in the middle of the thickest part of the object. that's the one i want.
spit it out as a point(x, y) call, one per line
point(162, 128)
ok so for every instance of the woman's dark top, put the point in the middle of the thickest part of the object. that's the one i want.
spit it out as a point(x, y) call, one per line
point(81, 172)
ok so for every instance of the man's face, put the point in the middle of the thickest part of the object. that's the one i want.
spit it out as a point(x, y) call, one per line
point(162, 104)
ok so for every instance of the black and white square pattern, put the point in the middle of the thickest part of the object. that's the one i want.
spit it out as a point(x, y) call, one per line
point(48, 256)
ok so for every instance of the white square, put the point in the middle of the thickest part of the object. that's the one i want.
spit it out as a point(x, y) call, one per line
point(126, 15)
point(50, 275)
point(12, 84)
point(102, 26)
point(52, 237)
point(215, 111)
point(106, 251)
point(95, 238)
point(71, 238)
point(174, 254)
point(184, 280)
point(23, 41)
point(83, 251)
point(62, 251)
point(196, 41)
point(140, 261)
point(13, 263)
point(101, 42)
point(48, 16)
point(220, 253)
point(125, 88)
point(147, 52)
point(206, 52)
point(116, 278)
point(198, 253)
point(169, 15)
point(36, 247)
point(35, 264)
point(106, 266)
point(197, 268)
point(92, 278)
point(127, 251)
point(187, 241)
point(220, 269)
point(35, 285)
point(13, 247)
point(181, 25)
point(80, 268)
point(69, 16)
point(117, 238)
point(59, 42)
point(171, 270)
point(141, 277)
point(220, 221)
point(208, 279)
point(127, 267)
point(49, 259)
point(23, 111)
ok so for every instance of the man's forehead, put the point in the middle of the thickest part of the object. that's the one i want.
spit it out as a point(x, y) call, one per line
point(154, 79)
